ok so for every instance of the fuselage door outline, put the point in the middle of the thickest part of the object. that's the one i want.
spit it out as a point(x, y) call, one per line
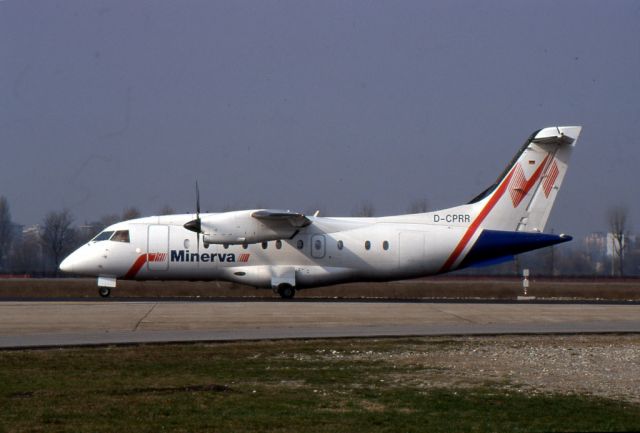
point(318, 246)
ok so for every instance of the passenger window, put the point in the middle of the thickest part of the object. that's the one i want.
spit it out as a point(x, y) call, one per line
point(385, 245)
point(225, 246)
point(300, 244)
point(317, 244)
point(367, 245)
point(121, 236)
point(102, 236)
point(340, 245)
point(265, 245)
point(278, 244)
point(245, 246)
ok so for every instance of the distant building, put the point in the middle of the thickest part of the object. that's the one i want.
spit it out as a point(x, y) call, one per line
point(596, 241)
point(31, 231)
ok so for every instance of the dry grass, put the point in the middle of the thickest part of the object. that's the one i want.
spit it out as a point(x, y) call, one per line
point(324, 386)
point(430, 288)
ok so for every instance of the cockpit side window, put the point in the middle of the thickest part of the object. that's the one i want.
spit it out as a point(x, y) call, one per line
point(102, 236)
point(121, 236)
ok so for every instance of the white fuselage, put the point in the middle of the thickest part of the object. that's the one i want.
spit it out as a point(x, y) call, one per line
point(329, 251)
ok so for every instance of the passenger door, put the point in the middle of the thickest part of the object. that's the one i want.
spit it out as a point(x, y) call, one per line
point(158, 248)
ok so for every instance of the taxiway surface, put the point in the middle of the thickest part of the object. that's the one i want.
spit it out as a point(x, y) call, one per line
point(52, 324)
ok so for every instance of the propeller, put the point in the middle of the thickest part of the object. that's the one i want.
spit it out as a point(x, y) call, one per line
point(195, 225)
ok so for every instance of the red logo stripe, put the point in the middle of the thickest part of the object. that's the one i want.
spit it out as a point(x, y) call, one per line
point(135, 268)
point(517, 184)
point(141, 260)
point(550, 181)
point(520, 186)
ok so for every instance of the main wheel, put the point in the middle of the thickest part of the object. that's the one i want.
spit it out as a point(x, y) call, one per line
point(286, 291)
point(104, 291)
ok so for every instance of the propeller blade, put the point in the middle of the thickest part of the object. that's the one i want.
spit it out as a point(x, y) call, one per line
point(195, 225)
point(198, 221)
point(198, 243)
point(197, 201)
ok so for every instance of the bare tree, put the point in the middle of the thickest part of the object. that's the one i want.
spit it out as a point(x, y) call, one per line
point(618, 222)
point(130, 213)
point(89, 230)
point(58, 236)
point(364, 209)
point(107, 220)
point(420, 205)
point(26, 254)
point(6, 230)
point(166, 210)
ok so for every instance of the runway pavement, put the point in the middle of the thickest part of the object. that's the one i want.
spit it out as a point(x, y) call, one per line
point(52, 324)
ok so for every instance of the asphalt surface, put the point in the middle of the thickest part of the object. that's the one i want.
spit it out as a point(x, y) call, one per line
point(54, 323)
point(277, 299)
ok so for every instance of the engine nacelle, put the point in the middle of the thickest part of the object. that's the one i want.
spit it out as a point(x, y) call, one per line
point(242, 228)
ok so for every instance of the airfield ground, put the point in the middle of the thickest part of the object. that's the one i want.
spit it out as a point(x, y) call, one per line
point(434, 288)
point(437, 384)
point(586, 382)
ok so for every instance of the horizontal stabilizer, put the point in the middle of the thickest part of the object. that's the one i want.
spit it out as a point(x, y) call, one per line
point(492, 262)
point(494, 244)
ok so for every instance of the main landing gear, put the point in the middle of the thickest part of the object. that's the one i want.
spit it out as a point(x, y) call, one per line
point(286, 291)
point(104, 291)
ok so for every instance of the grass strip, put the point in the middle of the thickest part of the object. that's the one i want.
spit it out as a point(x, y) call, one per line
point(284, 386)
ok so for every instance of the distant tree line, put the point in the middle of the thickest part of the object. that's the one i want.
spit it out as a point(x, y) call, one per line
point(38, 250)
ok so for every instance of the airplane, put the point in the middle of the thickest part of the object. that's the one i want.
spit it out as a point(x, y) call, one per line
point(287, 251)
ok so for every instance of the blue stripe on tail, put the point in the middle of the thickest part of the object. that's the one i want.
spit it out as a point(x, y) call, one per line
point(493, 245)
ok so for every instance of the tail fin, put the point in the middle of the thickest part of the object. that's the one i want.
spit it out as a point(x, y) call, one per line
point(522, 197)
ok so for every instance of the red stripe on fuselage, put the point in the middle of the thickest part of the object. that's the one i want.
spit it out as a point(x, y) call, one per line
point(474, 225)
point(135, 268)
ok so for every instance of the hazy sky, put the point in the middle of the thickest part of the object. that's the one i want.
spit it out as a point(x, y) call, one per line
point(306, 104)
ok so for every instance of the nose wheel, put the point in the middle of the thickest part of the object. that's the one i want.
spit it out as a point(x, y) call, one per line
point(104, 291)
point(286, 291)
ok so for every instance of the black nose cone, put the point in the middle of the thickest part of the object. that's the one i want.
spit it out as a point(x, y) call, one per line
point(194, 225)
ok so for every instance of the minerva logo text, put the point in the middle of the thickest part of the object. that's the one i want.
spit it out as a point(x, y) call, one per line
point(186, 256)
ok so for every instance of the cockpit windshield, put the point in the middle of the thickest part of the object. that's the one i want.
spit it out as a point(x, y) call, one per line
point(104, 236)
point(118, 236)
point(121, 236)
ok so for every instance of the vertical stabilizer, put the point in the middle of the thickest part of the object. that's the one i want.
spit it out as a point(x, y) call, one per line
point(519, 201)
point(522, 198)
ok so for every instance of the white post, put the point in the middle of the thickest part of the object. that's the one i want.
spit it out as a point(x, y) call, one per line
point(525, 280)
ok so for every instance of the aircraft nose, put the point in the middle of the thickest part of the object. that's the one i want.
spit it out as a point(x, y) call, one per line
point(67, 264)
point(75, 262)
point(86, 260)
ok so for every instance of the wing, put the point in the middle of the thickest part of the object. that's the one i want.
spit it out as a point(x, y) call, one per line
point(295, 219)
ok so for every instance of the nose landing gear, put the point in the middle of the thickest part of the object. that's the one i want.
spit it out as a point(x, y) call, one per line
point(286, 291)
point(105, 284)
